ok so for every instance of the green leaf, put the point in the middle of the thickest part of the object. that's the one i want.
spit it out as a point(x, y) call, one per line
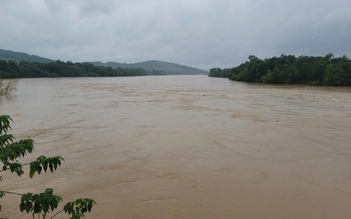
point(4, 124)
point(22, 207)
point(32, 170)
point(29, 206)
point(51, 167)
point(48, 191)
point(39, 169)
point(37, 208)
point(45, 165)
point(55, 165)
point(45, 207)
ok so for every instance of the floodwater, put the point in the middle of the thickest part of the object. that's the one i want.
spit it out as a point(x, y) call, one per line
point(189, 147)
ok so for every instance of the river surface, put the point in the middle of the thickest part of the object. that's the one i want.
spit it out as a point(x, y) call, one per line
point(189, 147)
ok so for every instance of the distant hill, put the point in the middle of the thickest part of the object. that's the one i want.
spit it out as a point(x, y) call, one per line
point(21, 56)
point(169, 68)
point(153, 67)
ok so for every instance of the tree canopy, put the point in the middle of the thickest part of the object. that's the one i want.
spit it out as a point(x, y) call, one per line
point(289, 69)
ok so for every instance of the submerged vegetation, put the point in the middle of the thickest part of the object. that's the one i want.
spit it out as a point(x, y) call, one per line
point(7, 88)
point(288, 69)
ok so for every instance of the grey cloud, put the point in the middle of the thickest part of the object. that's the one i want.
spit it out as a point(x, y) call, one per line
point(199, 33)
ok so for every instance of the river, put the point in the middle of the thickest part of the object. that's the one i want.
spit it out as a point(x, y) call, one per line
point(189, 147)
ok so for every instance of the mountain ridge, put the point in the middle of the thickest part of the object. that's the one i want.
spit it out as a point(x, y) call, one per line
point(22, 56)
point(151, 65)
point(155, 65)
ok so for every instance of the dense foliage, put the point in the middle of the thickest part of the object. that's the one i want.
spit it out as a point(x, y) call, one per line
point(36, 204)
point(24, 69)
point(288, 69)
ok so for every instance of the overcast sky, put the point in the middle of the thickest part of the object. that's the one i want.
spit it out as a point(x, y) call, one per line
point(197, 33)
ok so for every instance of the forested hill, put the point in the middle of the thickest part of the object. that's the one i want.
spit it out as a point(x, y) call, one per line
point(24, 69)
point(288, 69)
point(169, 68)
point(153, 67)
point(21, 56)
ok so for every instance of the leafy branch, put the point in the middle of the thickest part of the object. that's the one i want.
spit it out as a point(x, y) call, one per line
point(42, 163)
point(79, 207)
point(40, 203)
point(36, 204)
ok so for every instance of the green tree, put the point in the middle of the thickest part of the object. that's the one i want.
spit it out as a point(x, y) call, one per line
point(239, 74)
point(288, 69)
point(3, 65)
point(14, 69)
point(215, 72)
point(333, 76)
point(329, 56)
point(36, 204)
point(273, 77)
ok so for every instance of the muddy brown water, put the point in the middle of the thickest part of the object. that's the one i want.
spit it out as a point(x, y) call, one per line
point(187, 147)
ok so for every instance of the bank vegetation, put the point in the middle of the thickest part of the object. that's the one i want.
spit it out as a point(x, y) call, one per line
point(289, 69)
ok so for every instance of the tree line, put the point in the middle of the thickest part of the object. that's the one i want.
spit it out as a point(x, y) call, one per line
point(289, 69)
point(24, 69)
